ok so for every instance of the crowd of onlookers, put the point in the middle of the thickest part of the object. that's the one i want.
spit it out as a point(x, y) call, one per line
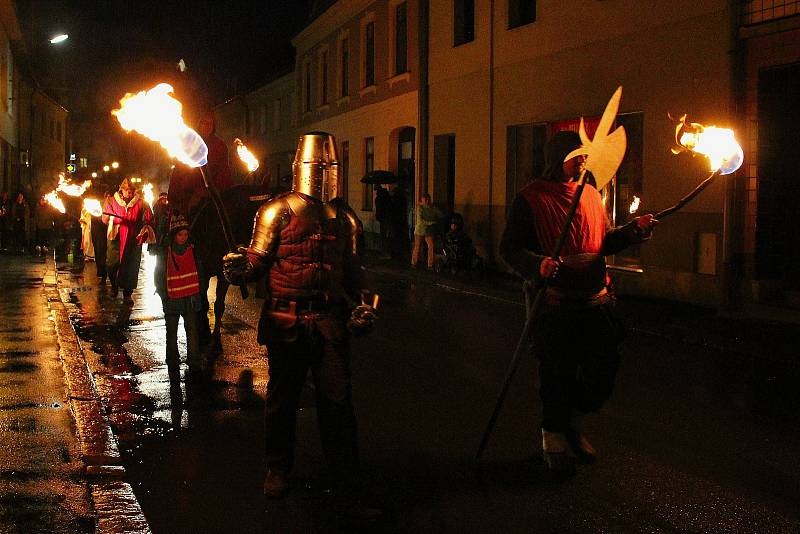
point(35, 227)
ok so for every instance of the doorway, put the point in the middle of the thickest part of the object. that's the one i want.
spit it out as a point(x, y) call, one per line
point(405, 171)
point(444, 171)
point(777, 227)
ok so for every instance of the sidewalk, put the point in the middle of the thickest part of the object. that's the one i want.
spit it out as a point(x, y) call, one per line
point(60, 470)
point(770, 340)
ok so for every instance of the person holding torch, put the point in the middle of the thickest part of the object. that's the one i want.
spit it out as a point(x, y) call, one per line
point(130, 224)
point(576, 335)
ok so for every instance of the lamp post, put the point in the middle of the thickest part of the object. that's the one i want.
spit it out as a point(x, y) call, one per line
point(38, 46)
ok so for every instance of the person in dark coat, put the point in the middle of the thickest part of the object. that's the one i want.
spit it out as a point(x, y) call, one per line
point(383, 209)
point(20, 222)
point(5, 218)
point(45, 224)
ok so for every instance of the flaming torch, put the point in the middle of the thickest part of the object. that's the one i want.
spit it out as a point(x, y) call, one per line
point(158, 116)
point(246, 156)
point(719, 145)
point(634, 207)
point(53, 199)
point(70, 189)
point(147, 192)
point(73, 190)
point(93, 206)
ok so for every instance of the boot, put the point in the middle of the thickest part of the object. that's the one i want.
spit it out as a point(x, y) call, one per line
point(584, 451)
point(554, 451)
point(114, 290)
point(276, 484)
point(127, 297)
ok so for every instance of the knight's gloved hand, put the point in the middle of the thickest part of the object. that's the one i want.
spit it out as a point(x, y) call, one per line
point(362, 319)
point(237, 268)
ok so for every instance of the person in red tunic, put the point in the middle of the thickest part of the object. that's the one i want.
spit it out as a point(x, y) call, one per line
point(576, 336)
point(186, 189)
point(129, 227)
point(177, 280)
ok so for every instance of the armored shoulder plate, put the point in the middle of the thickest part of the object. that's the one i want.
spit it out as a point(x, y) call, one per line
point(355, 228)
point(271, 217)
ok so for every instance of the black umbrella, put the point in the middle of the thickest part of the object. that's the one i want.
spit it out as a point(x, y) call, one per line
point(380, 177)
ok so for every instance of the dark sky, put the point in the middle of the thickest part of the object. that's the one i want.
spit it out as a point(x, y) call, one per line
point(128, 45)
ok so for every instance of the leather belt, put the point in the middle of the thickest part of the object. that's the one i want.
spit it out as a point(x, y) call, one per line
point(300, 305)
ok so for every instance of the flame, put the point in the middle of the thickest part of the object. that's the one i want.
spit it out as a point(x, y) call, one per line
point(245, 155)
point(147, 192)
point(53, 199)
point(73, 190)
point(634, 207)
point(719, 145)
point(93, 206)
point(158, 116)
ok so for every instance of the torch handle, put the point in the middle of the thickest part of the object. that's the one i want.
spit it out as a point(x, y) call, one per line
point(225, 222)
point(685, 200)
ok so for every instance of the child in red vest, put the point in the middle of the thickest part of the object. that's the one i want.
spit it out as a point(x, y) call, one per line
point(178, 285)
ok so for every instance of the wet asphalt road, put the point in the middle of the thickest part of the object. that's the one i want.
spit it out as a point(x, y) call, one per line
point(41, 488)
point(695, 439)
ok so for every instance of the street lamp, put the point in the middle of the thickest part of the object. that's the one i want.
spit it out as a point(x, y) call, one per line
point(60, 38)
point(115, 165)
point(106, 168)
point(94, 175)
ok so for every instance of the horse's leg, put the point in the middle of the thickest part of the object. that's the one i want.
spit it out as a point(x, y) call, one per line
point(219, 310)
point(203, 327)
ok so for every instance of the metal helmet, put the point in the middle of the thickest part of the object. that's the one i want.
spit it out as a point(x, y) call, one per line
point(315, 171)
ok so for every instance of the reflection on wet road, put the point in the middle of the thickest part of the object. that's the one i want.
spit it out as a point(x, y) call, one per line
point(694, 438)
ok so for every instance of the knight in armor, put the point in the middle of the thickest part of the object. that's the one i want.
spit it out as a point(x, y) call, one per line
point(306, 243)
point(576, 336)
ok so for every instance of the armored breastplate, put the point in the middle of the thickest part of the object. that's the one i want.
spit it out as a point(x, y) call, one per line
point(309, 254)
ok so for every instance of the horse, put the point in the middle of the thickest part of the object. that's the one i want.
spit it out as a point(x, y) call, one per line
point(242, 203)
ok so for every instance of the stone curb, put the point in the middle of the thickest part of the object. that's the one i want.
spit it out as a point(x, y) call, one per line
point(118, 509)
point(116, 506)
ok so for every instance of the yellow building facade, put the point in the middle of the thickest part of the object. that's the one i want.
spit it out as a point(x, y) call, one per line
point(357, 73)
point(530, 68)
point(460, 96)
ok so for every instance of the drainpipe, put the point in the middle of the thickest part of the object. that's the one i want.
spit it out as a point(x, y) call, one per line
point(424, 94)
point(732, 215)
point(31, 120)
point(490, 247)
